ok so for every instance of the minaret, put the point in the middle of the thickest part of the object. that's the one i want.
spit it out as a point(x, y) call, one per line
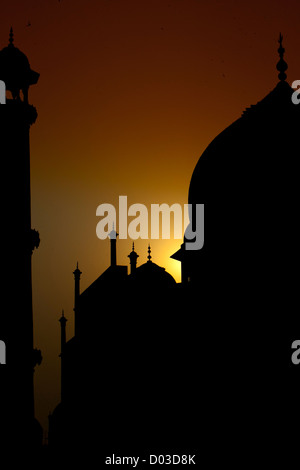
point(133, 256)
point(77, 273)
point(19, 241)
point(63, 322)
point(113, 246)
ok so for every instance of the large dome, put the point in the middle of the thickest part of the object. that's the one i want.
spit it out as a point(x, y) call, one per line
point(249, 150)
point(247, 179)
point(243, 178)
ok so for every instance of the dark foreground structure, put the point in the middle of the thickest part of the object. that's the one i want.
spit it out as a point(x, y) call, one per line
point(204, 366)
point(19, 428)
point(201, 367)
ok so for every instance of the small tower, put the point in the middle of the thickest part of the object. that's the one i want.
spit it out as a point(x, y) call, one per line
point(77, 273)
point(63, 322)
point(133, 256)
point(113, 246)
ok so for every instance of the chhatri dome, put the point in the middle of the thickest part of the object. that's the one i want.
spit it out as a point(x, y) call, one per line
point(15, 70)
point(150, 273)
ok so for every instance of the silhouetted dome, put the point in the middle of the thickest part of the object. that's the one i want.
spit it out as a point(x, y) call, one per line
point(15, 70)
point(249, 154)
point(151, 273)
point(241, 178)
point(246, 152)
point(12, 58)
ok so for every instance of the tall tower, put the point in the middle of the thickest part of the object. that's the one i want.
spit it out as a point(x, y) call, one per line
point(77, 273)
point(19, 241)
point(113, 246)
point(63, 341)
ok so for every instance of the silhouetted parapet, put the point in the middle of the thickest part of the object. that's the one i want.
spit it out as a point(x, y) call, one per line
point(15, 114)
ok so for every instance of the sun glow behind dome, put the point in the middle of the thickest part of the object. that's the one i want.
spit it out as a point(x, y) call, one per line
point(130, 95)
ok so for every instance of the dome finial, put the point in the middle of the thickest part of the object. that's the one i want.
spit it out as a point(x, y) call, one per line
point(11, 37)
point(281, 65)
point(149, 254)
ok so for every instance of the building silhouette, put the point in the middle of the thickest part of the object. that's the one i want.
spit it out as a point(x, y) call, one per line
point(204, 364)
point(116, 341)
point(18, 424)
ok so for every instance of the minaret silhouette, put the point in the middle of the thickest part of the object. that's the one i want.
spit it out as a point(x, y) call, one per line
point(63, 320)
point(16, 117)
point(77, 273)
point(113, 246)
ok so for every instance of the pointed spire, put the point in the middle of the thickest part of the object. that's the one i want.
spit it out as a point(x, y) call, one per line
point(113, 234)
point(281, 65)
point(11, 37)
point(77, 272)
point(149, 254)
point(63, 319)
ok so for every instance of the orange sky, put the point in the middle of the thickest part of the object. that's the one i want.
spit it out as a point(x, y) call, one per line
point(130, 94)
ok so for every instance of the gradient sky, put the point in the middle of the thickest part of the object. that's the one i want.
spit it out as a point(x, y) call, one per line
point(130, 94)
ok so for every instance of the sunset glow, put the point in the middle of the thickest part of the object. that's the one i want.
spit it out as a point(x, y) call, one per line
point(130, 94)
